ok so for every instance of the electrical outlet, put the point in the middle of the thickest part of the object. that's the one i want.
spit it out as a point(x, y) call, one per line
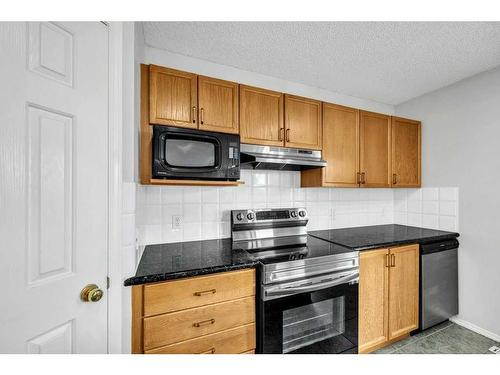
point(494, 349)
point(176, 222)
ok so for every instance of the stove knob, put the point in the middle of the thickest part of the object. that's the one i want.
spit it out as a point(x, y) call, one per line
point(293, 214)
point(239, 216)
point(302, 213)
point(250, 216)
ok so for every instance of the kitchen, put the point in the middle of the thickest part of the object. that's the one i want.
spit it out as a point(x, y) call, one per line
point(253, 200)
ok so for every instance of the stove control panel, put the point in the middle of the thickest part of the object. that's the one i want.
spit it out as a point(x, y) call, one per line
point(267, 215)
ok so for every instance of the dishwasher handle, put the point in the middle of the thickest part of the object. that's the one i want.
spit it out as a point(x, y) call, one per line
point(435, 247)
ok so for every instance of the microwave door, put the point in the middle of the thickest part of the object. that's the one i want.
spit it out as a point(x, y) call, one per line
point(192, 155)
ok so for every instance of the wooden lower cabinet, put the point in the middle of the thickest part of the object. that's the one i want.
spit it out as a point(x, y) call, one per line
point(231, 341)
point(203, 314)
point(388, 295)
point(403, 290)
point(373, 299)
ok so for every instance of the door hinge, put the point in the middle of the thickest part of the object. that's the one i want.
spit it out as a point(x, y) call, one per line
point(108, 282)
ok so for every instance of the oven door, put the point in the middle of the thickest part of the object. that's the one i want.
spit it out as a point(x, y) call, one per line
point(315, 321)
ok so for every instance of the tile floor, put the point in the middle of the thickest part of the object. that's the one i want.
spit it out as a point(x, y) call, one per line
point(446, 338)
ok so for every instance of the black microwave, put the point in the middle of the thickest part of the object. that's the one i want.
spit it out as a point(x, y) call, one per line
point(193, 154)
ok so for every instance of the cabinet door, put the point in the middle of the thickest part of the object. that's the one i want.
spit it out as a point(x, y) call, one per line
point(172, 97)
point(340, 145)
point(406, 157)
point(302, 123)
point(373, 299)
point(403, 290)
point(375, 148)
point(261, 116)
point(218, 102)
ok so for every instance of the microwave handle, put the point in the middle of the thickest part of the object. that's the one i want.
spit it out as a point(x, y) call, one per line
point(351, 277)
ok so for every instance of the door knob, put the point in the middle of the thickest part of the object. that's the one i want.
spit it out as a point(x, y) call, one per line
point(91, 293)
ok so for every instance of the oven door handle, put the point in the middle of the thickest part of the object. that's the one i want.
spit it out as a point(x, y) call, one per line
point(344, 279)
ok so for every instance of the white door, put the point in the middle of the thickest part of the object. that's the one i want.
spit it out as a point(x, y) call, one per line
point(53, 186)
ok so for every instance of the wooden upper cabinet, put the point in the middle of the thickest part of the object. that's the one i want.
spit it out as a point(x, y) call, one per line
point(340, 149)
point(340, 145)
point(302, 123)
point(406, 153)
point(172, 97)
point(218, 105)
point(261, 116)
point(375, 149)
point(403, 290)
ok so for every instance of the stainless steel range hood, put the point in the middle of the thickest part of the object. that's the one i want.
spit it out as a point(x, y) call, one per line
point(279, 158)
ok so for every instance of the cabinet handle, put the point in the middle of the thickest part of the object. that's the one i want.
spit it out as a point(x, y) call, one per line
point(201, 115)
point(358, 177)
point(204, 292)
point(394, 178)
point(288, 135)
point(393, 260)
point(204, 323)
point(387, 262)
point(281, 133)
point(363, 178)
point(194, 115)
point(209, 351)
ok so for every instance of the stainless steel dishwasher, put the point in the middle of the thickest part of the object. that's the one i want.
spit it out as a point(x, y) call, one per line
point(438, 282)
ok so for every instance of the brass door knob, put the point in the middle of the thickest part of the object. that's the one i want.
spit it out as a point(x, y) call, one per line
point(91, 293)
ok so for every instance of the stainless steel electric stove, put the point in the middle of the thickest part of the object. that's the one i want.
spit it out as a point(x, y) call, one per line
point(308, 287)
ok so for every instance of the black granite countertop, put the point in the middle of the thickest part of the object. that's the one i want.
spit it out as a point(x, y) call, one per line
point(371, 237)
point(184, 259)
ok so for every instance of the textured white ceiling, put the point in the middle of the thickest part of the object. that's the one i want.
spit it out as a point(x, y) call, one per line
point(389, 62)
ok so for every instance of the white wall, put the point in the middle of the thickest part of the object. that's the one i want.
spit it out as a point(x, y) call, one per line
point(460, 147)
point(203, 67)
point(129, 162)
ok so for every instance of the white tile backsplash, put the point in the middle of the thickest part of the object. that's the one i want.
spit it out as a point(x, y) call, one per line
point(205, 211)
point(434, 208)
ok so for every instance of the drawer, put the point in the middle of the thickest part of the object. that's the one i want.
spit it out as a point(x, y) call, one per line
point(178, 326)
point(198, 291)
point(231, 341)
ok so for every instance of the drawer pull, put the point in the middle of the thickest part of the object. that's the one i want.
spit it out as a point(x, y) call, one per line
point(209, 351)
point(204, 292)
point(204, 323)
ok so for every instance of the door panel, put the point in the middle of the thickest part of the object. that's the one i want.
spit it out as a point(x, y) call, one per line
point(373, 299)
point(218, 102)
point(406, 157)
point(54, 173)
point(302, 123)
point(261, 116)
point(403, 290)
point(375, 145)
point(172, 97)
point(340, 145)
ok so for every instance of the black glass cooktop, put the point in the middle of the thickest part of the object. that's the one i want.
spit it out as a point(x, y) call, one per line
point(314, 248)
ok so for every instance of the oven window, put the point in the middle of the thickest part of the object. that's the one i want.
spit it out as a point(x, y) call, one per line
point(305, 325)
point(187, 153)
